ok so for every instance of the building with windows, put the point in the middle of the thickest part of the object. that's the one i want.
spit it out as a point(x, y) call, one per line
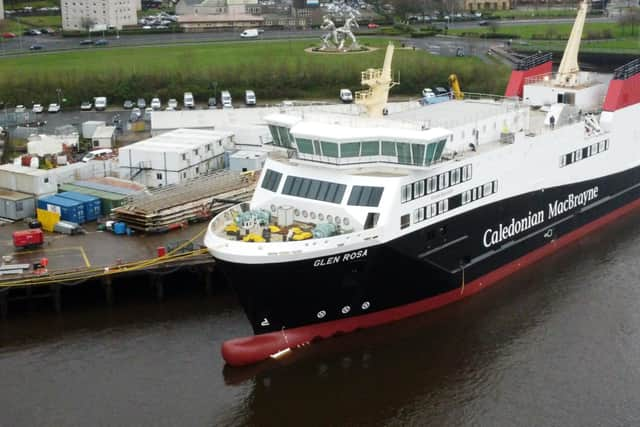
point(474, 5)
point(218, 7)
point(173, 157)
point(78, 15)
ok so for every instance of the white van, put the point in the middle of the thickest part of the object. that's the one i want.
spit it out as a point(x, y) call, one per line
point(251, 33)
point(100, 103)
point(97, 153)
point(188, 100)
point(225, 99)
point(249, 97)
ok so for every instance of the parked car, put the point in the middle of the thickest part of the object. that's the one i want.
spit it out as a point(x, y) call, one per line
point(346, 96)
point(37, 108)
point(460, 51)
point(54, 108)
point(128, 104)
point(101, 42)
point(32, 32)
point(141, 103)
point(188, 101)
point(135, 114)
point(439, 91)
point(8, 35)
point(427, 92)
point(20, 108)
point(156, 104)
point(372, 25)
point(483, 23)
point(100, 103)
point(86, 42)
point(225, 99)
point(36, 47)
point(86, 105)
point(102, 152)
point(147, 113)
point(172, 104)
point(211, 103)
point(249, 97)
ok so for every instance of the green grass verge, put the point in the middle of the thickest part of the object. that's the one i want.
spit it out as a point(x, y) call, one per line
point(34, 4)
point(541, 12)
point(54, 21)
point(275, 69)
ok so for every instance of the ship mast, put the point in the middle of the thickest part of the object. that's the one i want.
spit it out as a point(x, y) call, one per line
point(569, 69)
point(380, 82)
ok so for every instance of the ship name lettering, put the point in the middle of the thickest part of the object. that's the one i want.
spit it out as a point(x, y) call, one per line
point(516, 226)
point(349, 256)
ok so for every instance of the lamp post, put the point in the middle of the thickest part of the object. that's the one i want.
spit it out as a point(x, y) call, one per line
point(59, 92)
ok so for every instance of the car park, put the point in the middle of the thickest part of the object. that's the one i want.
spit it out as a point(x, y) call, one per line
point(54, 108)
point(249, 97)
point(8, 35)
point(141, 103)
point(37, 108)
point(211, 103)
point(156, 104)
point(346, 96)
point(86, 106)
point(128, 104)
point(20, 108)
point(35, 47)
point(172, 104)
point(101, 42)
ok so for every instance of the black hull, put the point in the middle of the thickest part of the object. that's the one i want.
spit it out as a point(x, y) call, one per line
point(424, 264)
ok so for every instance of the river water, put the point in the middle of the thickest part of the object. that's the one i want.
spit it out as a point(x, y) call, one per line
point(557, 344)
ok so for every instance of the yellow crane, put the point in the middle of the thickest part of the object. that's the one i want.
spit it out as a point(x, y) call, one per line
point(455, 87)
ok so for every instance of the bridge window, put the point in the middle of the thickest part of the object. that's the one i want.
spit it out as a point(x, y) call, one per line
point(370, 148)
point(304, 145)
point(329, 149)
point(271, 180)
point(350, 149)
point(366, 196)
point(404, 153)
point(418, 154)
point(314, 189)
point(388, 148)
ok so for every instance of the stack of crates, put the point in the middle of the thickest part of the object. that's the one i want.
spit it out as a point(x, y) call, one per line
point(69, 210)
point(92, 204)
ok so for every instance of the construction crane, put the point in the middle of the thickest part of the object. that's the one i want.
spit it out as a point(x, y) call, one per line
point(455, 87)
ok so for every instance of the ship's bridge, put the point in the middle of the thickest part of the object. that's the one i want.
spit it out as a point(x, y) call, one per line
point(344, 144)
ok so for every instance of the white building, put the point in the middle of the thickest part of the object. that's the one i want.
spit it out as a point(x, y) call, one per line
point(173, 157)
point(1, 9)
point(41, 145)
point(247, 160)
point(165, 121)
point(78, 14)
point(27, 180)
point(103, 137)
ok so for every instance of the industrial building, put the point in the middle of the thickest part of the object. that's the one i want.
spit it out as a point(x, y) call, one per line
point(103, 137)
point(41, 145)
point(15, 205)
point(173, 157)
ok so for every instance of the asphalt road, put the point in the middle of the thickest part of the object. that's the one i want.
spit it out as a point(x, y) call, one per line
point(20, 45)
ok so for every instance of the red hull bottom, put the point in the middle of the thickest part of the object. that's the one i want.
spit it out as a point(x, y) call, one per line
point(249, 350)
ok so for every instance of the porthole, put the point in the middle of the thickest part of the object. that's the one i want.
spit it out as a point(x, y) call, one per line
point(345, 309)
point(305, 213)
point(321, 314)
point(329, 218)
point(345, 221)
point(296, 212)
point(366, 305)
point(273, 208)
point(321, 217)
point(312, 215)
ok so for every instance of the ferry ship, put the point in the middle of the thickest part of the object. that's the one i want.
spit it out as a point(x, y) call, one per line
point(362, 220)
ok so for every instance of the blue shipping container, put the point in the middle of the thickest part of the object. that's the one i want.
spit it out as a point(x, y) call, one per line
point(69, 210)
point(92, 204)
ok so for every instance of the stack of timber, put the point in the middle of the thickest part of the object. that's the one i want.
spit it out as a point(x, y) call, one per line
point(195, 200)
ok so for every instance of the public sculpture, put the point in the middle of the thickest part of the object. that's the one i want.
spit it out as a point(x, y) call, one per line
point(335, 38)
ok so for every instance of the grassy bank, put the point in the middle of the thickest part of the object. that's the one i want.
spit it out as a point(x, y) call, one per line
point(278, 69)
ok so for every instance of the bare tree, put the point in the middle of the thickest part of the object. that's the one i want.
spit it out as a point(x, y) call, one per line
point(87, 23)
point(630, 17)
